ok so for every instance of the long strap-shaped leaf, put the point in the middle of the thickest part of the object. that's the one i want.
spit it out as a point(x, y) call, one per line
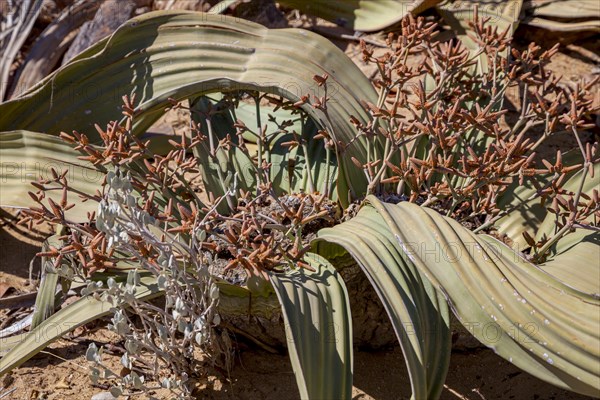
point(79, 313)
point(546, 326)
point(575, 260)
point(564, 8)
point(317, 317)
point(529, 214)
point(27, 156)
point(558, 26)
point(45, 301)
point(174, 54)
point(362, 15)
point(579, 181)
point(292, 170)
point(572, 15)
point(418, 313)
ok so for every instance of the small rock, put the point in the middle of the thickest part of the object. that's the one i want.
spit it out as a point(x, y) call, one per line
point(103, 396)
point(62, 385)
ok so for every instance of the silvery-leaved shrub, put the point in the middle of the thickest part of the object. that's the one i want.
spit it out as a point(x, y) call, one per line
point(164, 337)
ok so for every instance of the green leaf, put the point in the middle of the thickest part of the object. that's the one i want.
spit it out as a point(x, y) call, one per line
point(27, 156)
point(526, 217)
point(45, 299)
point(574, 259)
point(570, 15)
point(318, 327)
point(179, 55)
point(222, 6)
point(292, 171)
point(361, 15)
point(419, 313)
point(551, 25)
point(564, 8)
point(548, 226)
point(527, 212)
point(542, 324)
point(502, 15)
point(67, 319)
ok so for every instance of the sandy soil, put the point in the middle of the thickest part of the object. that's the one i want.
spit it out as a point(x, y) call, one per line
point(479, 375)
